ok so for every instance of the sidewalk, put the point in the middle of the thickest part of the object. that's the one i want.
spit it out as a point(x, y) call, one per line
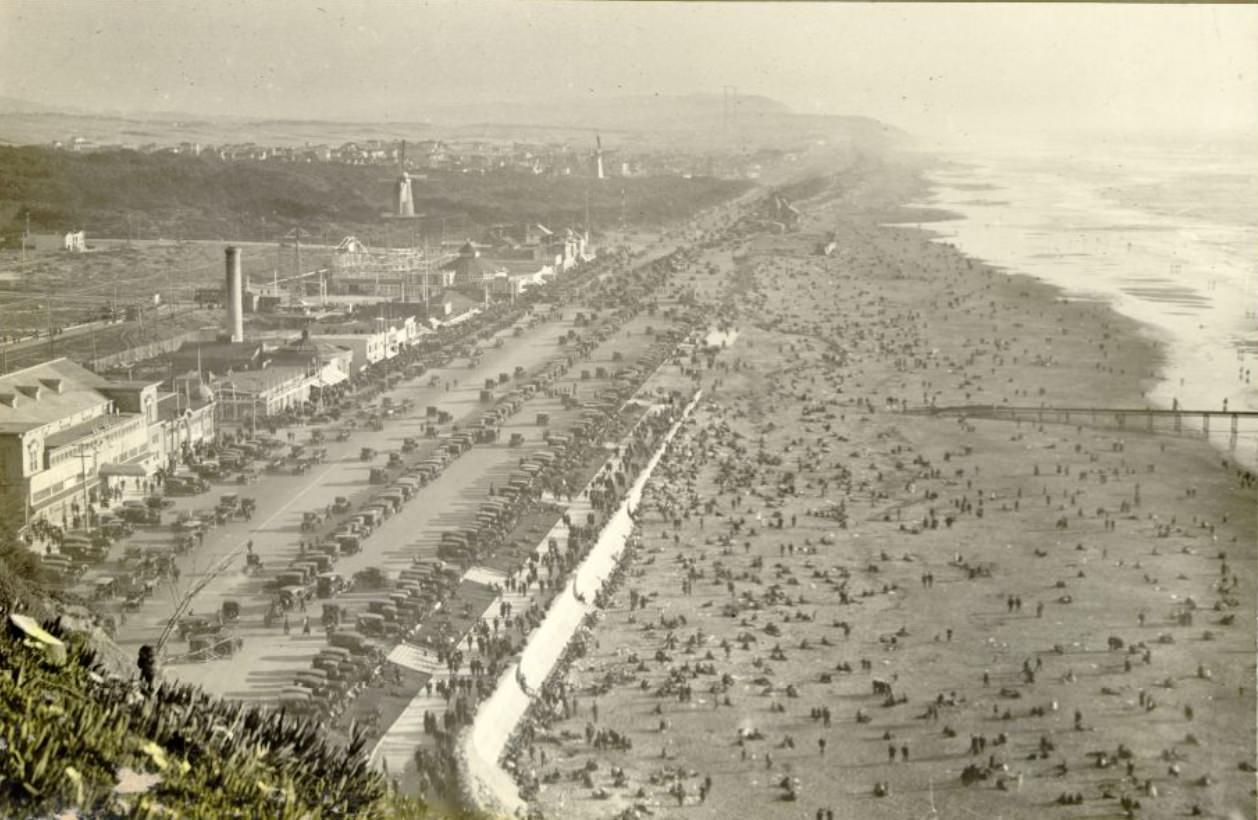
point(483, 745)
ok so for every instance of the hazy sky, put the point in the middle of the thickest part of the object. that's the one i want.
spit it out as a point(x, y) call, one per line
point(943, 68)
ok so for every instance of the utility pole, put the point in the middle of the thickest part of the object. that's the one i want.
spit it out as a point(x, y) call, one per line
point(81, 451)
point(427, 270)
point(48, 313)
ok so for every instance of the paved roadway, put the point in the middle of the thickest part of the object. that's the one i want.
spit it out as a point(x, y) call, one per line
point(276, 527)
point(269, 659)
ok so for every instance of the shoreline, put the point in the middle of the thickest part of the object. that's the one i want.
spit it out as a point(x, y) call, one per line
point(917, 321)
point(1205, 340)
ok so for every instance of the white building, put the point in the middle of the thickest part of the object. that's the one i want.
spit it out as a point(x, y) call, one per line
point(66, 435)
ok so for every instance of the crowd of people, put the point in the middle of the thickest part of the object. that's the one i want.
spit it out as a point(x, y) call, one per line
point(863, 602)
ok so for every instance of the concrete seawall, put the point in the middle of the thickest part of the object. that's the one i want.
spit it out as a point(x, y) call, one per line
point(490, 787)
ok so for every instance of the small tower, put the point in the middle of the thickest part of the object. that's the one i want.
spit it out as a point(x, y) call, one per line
point(598, 156)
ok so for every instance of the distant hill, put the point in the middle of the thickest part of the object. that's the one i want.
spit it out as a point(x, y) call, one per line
point(126, 193)
point(118, 193)
point(694, 121)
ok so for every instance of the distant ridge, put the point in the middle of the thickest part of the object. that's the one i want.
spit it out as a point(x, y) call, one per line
point(12, 105)
point(692, 119)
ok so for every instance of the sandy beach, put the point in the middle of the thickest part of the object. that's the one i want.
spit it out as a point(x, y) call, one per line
point(844, 607)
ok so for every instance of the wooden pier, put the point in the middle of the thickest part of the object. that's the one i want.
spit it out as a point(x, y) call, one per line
point(1142, 419)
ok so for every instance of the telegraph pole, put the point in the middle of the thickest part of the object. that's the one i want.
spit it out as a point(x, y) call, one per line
point(427, 267)
point(48, 313)
point(82, 450)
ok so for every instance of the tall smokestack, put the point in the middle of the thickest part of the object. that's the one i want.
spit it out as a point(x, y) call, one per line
point(235, 308)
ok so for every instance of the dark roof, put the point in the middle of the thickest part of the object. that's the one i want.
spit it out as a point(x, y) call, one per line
point(471, 267)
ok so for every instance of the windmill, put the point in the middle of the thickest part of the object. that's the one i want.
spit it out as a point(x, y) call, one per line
point(405, 198)
point(403, 189)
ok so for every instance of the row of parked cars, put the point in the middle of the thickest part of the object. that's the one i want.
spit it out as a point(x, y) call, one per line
point(351, 659)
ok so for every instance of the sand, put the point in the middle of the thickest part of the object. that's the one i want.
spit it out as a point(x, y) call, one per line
point(1080, 598)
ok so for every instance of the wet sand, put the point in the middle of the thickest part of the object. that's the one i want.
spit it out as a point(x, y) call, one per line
point(1055, 611)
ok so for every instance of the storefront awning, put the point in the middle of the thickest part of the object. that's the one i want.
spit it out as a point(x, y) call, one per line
point(136, 470)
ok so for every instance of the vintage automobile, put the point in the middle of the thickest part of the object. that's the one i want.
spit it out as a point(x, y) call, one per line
point(137, 512)
point(371, 624)
point(329, 584)
point(292, 596)
point(350, 544)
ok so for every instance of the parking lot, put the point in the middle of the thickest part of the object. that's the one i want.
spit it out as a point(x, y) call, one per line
point(265, 658)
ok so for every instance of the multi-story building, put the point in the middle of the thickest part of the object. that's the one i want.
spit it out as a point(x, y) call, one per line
point(68, 437)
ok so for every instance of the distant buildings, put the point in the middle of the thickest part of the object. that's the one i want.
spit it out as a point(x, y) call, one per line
point(520, 257)
point(468, 268)
point(386, 273)
point(479, 156)
point(72, 241)
point(253, 395)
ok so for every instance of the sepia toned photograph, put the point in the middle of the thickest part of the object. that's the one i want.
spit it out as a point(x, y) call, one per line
point(575, 410)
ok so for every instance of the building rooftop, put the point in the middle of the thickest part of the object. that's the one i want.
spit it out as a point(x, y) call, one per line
point(471, 267)
point(357, 327)
point(44, 393)
point(258, 381)
point(524, 267)
point(309, 347)
point(222, 349)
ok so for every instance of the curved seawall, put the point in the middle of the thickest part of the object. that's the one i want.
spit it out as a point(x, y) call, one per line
point(490, 787)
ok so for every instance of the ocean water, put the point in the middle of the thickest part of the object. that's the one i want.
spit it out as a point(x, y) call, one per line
point(1164, 233)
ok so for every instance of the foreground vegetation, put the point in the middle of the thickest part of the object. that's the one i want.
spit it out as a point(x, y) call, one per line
point(74, 738)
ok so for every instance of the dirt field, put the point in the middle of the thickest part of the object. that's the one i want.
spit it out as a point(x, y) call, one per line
point(74, 293)
point(848, 608)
